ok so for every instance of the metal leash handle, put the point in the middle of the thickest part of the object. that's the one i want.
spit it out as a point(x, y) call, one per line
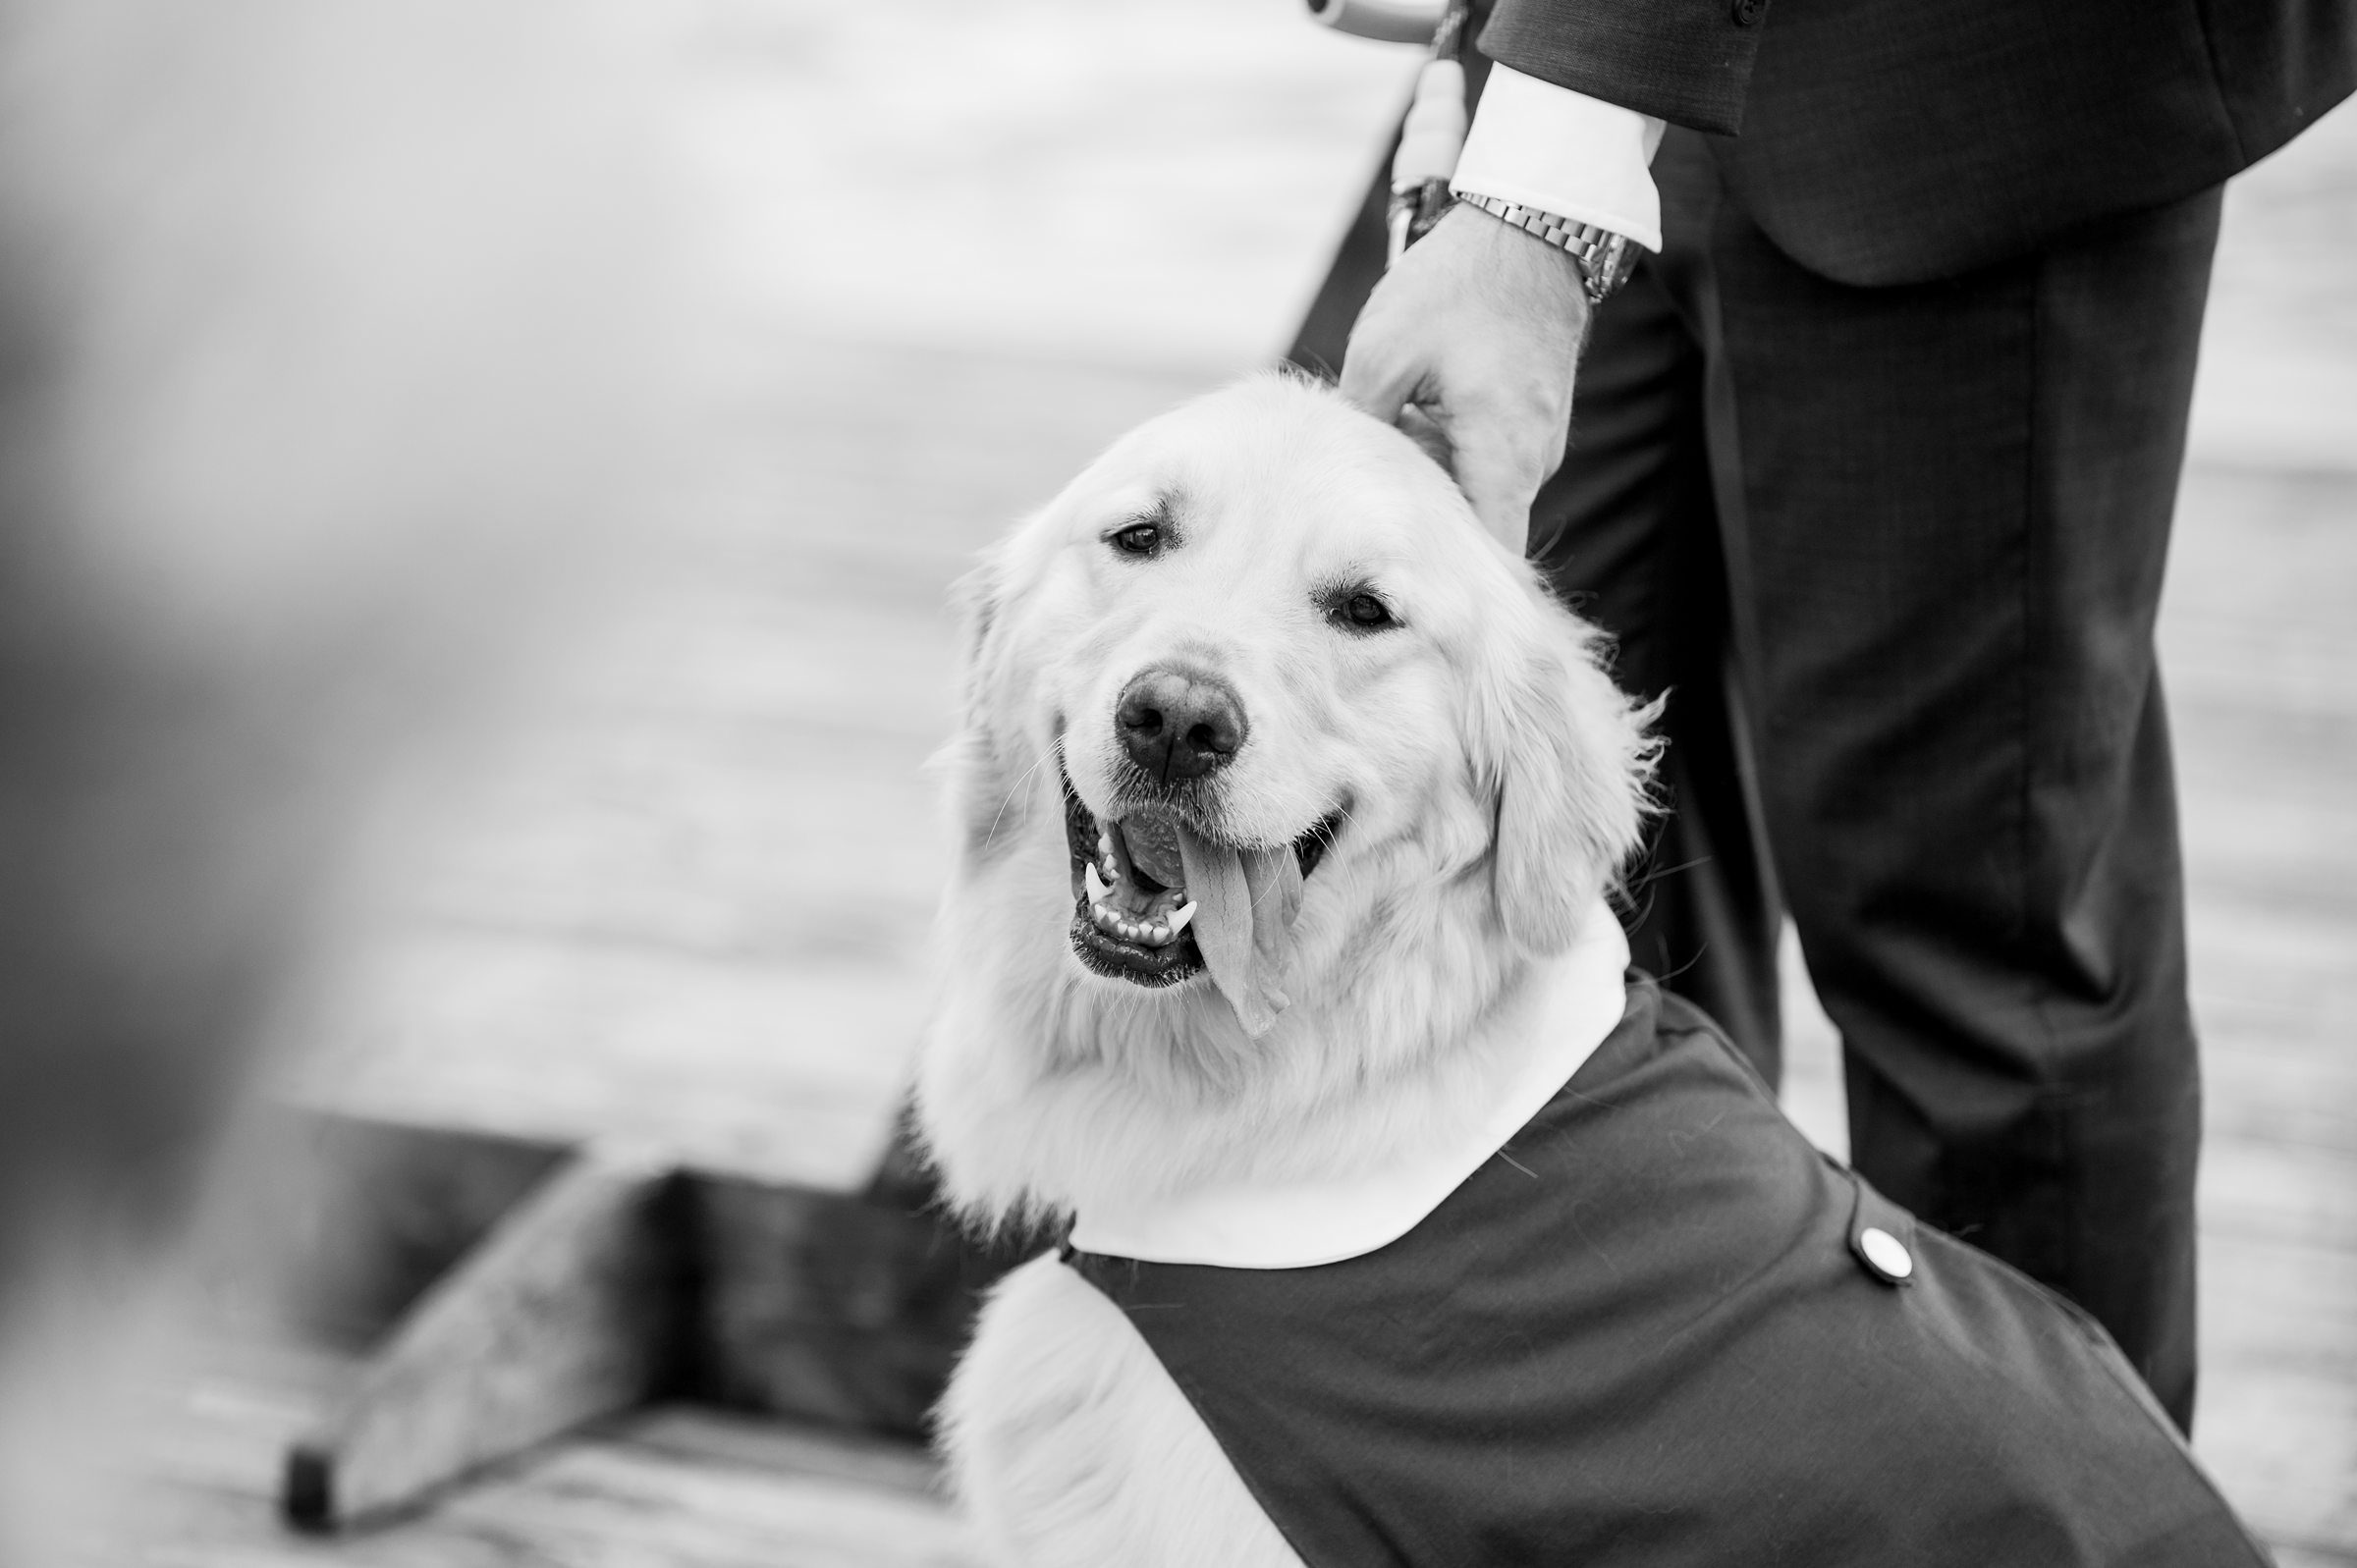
point(1431, 139)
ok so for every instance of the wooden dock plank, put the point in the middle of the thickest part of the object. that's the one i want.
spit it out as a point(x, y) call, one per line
point(569, 1310)
point(669, 1487)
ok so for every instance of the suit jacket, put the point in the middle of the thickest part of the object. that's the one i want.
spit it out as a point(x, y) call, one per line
point(1884, 141)
point(1656, 1329)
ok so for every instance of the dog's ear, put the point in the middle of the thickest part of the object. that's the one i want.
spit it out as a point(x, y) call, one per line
point(973, 760)
point(975, 598)
point(1569, 770)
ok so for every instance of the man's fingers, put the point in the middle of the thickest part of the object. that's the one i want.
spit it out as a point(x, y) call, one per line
point(1428, 433)
point(1506, 514)
point(1498, 458)
point(1478, 327)
point(1400, 336)
point(1381, 383)
point(1500, 475)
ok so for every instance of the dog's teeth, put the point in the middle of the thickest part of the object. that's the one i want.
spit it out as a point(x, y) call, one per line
point(1158, 935)
point(1178, 919)
point(1095, 884)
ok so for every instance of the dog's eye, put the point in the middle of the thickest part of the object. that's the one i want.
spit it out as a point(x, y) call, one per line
point(1138, 539)
point(1362, 612)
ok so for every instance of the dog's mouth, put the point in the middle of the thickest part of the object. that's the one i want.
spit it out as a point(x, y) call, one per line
point(1131, 909)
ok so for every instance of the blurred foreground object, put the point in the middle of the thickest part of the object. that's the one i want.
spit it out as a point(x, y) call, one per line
point(332, 332)
point(1384, 20)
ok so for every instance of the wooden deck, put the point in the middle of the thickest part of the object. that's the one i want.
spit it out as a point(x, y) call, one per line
point(682, 982)
point(689, 905)
point(669, 1487)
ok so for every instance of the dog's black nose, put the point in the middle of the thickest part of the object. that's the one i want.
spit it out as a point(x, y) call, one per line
point(1177, 724)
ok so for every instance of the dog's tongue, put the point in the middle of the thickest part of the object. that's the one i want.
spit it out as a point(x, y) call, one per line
point(1246, 900)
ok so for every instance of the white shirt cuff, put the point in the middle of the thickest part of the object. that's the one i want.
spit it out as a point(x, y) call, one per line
point(1544, 146)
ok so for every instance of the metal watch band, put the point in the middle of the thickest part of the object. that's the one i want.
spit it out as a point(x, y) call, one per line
point(1605, 257)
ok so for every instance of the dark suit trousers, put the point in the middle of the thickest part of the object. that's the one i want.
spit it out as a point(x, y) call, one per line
point(1893, 555)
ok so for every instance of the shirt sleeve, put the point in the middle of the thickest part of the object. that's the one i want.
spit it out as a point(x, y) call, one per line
point(1564, 152)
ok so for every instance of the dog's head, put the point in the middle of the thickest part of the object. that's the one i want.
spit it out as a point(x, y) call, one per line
point(1261, 723)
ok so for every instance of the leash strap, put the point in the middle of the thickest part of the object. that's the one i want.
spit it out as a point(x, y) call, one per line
point(1431, 139)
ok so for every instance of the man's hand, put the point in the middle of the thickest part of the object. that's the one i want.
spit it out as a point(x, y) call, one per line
point(1477, 328)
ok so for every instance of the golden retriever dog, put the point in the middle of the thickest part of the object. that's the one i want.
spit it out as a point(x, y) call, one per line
point(1369, 710)
point(1403, 1227)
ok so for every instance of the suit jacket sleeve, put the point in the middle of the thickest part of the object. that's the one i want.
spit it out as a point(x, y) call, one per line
point(1684, 60)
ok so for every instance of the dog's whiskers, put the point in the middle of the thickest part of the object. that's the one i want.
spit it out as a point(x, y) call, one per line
point(1653, 873)
point(1054, 746)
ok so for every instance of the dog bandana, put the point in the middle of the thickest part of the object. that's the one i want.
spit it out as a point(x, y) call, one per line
point(1660, 1329)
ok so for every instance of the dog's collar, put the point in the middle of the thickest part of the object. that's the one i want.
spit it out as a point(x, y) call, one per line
point(1301, 1225)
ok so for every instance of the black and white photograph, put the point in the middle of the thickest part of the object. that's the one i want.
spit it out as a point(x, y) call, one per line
point(1177, 784)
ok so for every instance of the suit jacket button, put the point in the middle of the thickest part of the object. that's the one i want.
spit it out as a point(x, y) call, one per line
point(1884, 1254)
point(1749, 12)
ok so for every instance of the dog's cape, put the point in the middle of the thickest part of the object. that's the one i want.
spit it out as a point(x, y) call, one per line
point(1656, 1335)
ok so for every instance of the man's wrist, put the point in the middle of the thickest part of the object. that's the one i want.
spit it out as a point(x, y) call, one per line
point(1604, 258)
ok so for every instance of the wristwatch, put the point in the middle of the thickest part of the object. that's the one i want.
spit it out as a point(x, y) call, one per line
point(1605, 259)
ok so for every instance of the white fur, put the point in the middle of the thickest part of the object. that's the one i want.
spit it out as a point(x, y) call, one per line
point(1057, 1414)
point(1493, 781)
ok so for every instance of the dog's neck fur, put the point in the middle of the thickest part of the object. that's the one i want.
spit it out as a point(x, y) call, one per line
point(1082, 1091)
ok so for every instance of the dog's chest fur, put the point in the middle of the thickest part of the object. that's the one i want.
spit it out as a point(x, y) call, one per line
point(1072, 1446)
